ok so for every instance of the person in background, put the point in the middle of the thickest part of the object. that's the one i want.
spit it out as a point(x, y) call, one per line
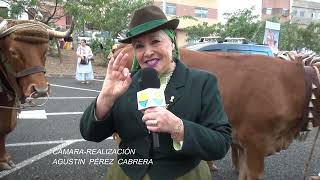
point(68, 43)
point(193, 127)
point(84, 72)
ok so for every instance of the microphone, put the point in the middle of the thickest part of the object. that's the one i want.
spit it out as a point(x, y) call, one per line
point(150, 95)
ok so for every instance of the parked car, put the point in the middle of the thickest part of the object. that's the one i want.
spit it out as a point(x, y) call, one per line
point(232, 47)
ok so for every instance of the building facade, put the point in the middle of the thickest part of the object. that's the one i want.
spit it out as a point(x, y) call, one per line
point(276, 8)
point(304, 12)
point(201, 10)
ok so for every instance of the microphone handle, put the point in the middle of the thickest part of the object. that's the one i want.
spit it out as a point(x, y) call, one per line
point(155, 139)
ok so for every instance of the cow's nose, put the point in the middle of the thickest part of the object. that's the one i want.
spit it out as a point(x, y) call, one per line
point(41, 90)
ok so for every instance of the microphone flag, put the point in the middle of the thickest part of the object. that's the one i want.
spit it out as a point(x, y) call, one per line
point(150, 97)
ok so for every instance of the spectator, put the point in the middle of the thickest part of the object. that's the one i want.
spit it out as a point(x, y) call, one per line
point(84, 71)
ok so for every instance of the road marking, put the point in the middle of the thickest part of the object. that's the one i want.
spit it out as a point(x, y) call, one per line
point(41, 114)
point(98, 80)
point(58, 98)
point(43, 142)
point(69, 87)
point(41, 155)
point(35, 158)
point(47, 142)
point(63, 113)
point(34, 114)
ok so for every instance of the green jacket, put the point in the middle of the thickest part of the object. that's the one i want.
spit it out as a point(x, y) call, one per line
point(207, 133)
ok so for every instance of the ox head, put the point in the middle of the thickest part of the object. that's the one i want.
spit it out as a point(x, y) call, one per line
point(23, 48)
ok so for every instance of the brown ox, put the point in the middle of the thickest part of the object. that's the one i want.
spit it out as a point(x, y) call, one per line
point(23, 47)
point(264, 98)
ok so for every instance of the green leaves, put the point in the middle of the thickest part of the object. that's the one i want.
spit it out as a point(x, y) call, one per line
point(107, 15)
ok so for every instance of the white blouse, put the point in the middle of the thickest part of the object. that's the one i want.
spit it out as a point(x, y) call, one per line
point(84, 51)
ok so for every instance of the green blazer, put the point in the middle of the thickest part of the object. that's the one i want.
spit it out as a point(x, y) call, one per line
point(197, 101)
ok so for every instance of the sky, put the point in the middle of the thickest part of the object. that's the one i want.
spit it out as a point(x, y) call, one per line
point(229, 6)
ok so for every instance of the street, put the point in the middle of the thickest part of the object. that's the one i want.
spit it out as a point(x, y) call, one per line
point(38, 141)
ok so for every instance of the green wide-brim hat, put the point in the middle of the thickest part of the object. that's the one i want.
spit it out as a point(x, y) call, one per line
point(147, 19)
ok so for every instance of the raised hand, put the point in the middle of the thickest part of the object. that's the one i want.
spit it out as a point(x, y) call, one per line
point(116, 83)
point(117, 78)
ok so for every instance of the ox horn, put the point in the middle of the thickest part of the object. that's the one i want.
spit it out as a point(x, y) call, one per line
point(59, 34)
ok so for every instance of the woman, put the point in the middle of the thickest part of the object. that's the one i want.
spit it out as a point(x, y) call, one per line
point(193, 127)
point(84, 71)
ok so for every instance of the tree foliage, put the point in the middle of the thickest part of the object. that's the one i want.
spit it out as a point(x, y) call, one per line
point(46, 9)
point(200, 30)
point(104, 15)
point(241, 23)
point(107, 15)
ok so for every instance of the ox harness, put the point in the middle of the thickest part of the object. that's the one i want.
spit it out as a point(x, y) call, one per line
point(8, 76)
point(311, 114)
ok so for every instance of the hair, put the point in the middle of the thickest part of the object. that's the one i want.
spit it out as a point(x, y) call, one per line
point(175, 52)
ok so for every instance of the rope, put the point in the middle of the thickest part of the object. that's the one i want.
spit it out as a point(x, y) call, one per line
point(306, 166)
point(3, 25)
point(19, 26)
point(8, 107)
point(29, 103)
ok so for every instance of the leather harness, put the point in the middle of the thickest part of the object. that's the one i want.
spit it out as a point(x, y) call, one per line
point(312, 101)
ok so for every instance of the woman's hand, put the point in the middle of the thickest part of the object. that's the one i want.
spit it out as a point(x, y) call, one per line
point(159, 119)
point(116, 83)
point(117, 78)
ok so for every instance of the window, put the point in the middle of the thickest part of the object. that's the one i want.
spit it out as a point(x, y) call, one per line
point(313, 15)
point(318, 15)
point(294, 13)
point(268, 11)
point(301, 13)
point(4, 12)
point(201, 12)
point(285, 12)
point(170, 9)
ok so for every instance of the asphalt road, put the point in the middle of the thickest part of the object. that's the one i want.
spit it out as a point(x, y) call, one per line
point(35, 143)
